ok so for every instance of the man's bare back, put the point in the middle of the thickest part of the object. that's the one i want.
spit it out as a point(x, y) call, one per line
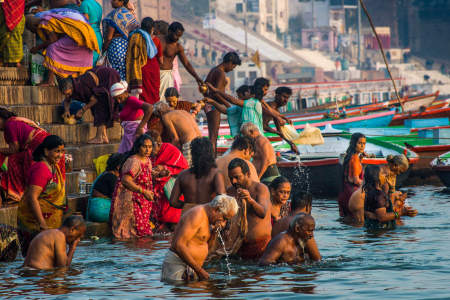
point(264, 154)
point(200, 190)
point(41, 252)
point(180, 126)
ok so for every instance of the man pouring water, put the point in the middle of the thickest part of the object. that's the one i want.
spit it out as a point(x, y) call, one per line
point(190, 244)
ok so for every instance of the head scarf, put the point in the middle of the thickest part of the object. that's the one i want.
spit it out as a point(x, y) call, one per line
point(119, 88)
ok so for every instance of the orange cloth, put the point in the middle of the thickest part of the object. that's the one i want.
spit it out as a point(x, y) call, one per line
point(254, 249)
point(354, 167)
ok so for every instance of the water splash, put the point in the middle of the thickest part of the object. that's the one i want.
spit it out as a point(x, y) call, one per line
point(302, 175)
point(225, 251)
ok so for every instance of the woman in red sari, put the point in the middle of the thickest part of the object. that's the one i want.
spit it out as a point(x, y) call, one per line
point(168, 162)
point(353, 171)
point(132, 202)
point(23, 136)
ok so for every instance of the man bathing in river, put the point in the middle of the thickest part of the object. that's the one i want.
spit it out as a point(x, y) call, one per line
point(257, 198)
point(242, 147)
point(189, 248)
point(202, 182)
point(265, 159)
point(179, 126)
point(294, 245)
point(48, 249)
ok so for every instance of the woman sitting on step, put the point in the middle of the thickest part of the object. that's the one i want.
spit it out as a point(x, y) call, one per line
point(23, 136)
point(134, 115)
point(99, 202)
point(44, 201)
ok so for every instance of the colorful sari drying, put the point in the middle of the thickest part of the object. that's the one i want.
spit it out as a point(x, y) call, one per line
point(142, 64)
point(52, 202)
point(29, 136)
point(170, 157)
point(12, 25)
point(72, 54)
point(123, 22)
point(94, 10)
point(130, 211)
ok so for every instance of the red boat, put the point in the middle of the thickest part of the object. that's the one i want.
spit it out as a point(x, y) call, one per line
point(443, 112)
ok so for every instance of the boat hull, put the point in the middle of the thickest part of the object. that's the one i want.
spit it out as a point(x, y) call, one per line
point(437, 113)
point(443, 172)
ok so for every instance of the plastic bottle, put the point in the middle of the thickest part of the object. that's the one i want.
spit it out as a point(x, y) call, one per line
point(82, 182)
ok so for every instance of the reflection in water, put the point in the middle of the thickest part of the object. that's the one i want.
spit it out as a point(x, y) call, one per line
point(356, 264)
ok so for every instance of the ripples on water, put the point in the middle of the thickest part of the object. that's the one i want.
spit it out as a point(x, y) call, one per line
point(412, 262)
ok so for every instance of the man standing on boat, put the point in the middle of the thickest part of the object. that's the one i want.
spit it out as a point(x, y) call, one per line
point(189, 248)
point(282, 95)
point(264, 160)
point(256, 197)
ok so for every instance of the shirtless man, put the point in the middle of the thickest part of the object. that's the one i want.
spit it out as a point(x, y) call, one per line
point(190, 243)
point(300, 203)
point(282, 95)
point(294, 245)
point(48, 249)
point(217, 78)
point(202, 182)
point(265, 159)
point(179, 126)
point(243, 147)
point(171, 49)
point(257, 198)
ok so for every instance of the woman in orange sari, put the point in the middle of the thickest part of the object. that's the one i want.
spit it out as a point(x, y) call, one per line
point(23, 136)
point(44, 201)
point(353, 171)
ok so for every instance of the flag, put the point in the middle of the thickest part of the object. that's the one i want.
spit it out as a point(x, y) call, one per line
point(256, 59)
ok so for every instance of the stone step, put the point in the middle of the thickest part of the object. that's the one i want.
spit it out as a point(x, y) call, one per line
point(14, 76)
point(27, 95)
point(44, 114)
point(83, 156)
point(82, 133)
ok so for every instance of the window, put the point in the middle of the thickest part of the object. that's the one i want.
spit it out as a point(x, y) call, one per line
point(239, 8)
point(241, 74)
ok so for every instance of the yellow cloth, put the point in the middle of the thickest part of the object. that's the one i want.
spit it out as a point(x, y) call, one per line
point(136, 59)
point(309, 136)
point(100, 163)
point(11, 45)
point(52, 201)
point(82, 33)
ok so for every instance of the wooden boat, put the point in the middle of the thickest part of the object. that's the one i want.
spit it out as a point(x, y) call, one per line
point(329, 106)
point(318, 169)
point(399, 119)
point(441, 166)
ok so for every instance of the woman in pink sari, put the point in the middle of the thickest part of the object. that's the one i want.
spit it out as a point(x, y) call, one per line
point(168, 162)
point(132, 202)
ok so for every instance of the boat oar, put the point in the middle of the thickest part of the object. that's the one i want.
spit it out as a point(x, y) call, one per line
point(382, 52)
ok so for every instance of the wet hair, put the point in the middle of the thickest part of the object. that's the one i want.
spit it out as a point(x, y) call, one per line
point(137, 145)
point(399, 160)
point(147, 24)
point(171, 92)
point(371, 180)
point(225, 204)
point(243, 89)
point(114, 161)
point(243, 143)
point(175, 26)
point(160, 107)
point(51, 142)
point(299, 219)
point(64, 84)
point(74, 221)
point(301, 200)
point(283, 90)
point(202, 157)
point(275, 184)
point(232, 57)
point(162, 27)
point(351, 149)
point(248, 128)
point(5, 114)
point(239, 163)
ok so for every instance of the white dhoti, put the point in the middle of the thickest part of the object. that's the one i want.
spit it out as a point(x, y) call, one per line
point(175, 269)
point(166, 81)
point(186, 150)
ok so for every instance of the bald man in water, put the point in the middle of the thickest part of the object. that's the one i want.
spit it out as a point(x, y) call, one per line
point(294, 245)
point(48, 249)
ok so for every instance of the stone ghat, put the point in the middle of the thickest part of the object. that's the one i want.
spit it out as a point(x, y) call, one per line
point(43, 105)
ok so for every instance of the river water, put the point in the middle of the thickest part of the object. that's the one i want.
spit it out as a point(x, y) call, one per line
point(411, 262)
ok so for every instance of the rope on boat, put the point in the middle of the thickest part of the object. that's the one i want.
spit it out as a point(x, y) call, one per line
point(382, 52)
